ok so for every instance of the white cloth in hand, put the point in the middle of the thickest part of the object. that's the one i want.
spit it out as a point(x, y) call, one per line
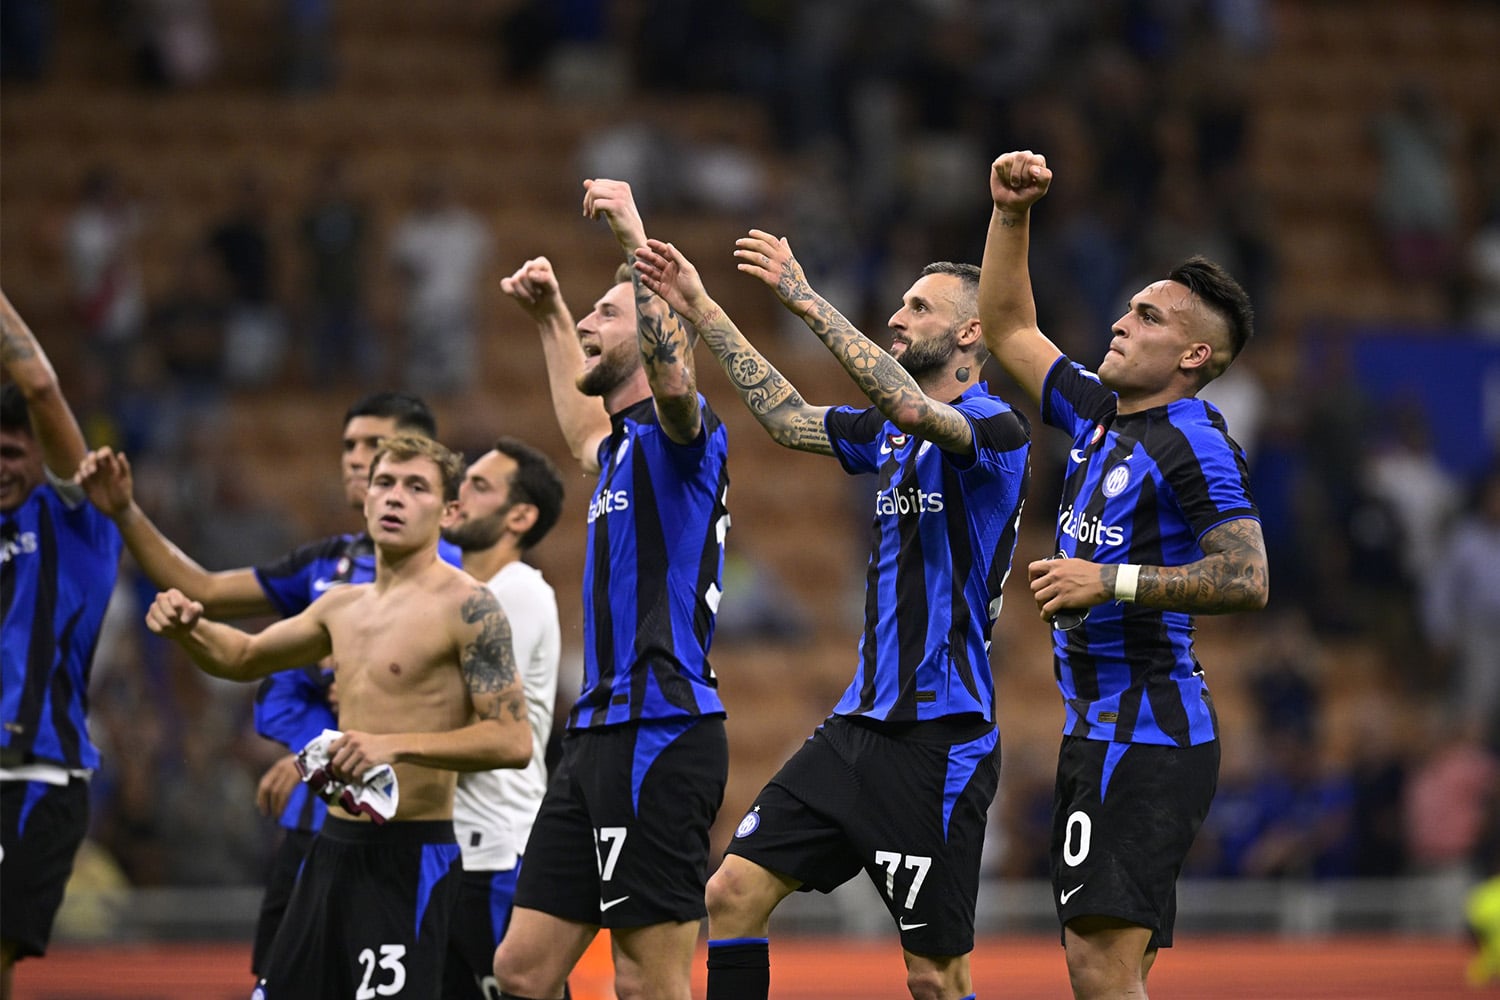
point(375, 794)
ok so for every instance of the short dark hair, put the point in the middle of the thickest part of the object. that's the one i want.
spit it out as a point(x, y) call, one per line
point(14, 415)
point(536, 481)
point(968, 274)
point(410, 412)
point(405, 447)
point(1224, 297)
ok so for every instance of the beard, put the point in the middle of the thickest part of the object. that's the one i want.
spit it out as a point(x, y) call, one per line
point(611, 369)
point(478, 533)
point(924, 357)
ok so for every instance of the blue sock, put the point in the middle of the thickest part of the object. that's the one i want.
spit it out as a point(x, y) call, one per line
point(739, 969)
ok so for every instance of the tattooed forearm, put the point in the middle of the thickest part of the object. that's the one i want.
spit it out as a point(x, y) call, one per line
point(804, 432)
point(761, 385)
point(489, 661)
point(658, 347)
point(774, 401)
point(16, 344)
point(1232, 575)
point(882, 379)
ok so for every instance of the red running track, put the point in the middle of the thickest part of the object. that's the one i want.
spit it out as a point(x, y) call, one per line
point(1007, 968)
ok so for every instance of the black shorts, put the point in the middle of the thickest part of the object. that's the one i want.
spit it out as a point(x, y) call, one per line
point(369, 915)
point(1123, 818)
point(621, 839)
point(905, 804)
point(285, 865)
point(41, 826)
point(479, 922)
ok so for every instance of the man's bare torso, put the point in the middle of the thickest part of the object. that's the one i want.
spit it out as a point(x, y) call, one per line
point(397, 668)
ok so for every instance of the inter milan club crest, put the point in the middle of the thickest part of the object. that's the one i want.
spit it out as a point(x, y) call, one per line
point(1116, 480)
point(749, 824)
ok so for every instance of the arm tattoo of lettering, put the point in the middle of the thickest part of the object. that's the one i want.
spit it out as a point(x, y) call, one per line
point(1232, 575)
point(489, 661)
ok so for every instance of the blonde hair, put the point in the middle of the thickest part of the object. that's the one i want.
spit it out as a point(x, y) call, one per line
point(404, 447)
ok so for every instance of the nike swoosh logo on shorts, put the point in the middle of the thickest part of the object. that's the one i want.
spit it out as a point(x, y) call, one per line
point(1063, 898)
point(613, 902)
point(909, 927)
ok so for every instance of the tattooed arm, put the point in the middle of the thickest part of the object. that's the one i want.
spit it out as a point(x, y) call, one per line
point(1231, 576)
point(498, 733)
point(665, 341)
point(879, 376)
point(1007, 308)
point(52, 421)
point(771, 399)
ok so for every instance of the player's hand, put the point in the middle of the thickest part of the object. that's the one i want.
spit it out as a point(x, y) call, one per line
point(172, 615)
point(276, 785)
point(674, 279)
point(105, 477)
point(534, 287)
point(1063, 584)
point(1018, 180)
point(769, 258)
point(354, 753)
point(613, 200)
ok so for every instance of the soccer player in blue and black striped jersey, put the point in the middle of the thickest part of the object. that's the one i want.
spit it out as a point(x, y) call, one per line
point(1156, 524)
point(621, 840)
point(898, 781)
point(291, 707)
point(58, 561)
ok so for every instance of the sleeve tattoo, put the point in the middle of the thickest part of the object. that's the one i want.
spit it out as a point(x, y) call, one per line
point(882, 379)
point(773, 400)
point(489, 661)
point(1232, 575)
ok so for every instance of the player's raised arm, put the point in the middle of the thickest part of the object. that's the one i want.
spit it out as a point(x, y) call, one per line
point(1007, 308)
point(582, 418)
point(879, 376)
point(52, 421)
point(665, 341)
point(771, 399)
point(106, 478)
point(224, 651)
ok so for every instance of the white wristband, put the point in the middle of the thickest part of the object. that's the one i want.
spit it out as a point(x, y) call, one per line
point(1125, 580)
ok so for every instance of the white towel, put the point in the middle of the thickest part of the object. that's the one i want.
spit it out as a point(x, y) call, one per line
point(375, 794)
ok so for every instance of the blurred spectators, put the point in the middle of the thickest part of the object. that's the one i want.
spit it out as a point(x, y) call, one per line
point(1451, 797)
point(334, 233)
point(1417, 201)
point(1461, 605)
point(187, 324)
point(26, 31)
point(255, 337)
point(1404, 471)
point(103, 258)
point(307, 65)
point(176, 44)
point(441, 250)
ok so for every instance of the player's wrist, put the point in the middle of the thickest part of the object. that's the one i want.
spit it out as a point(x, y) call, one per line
point(1127, 580)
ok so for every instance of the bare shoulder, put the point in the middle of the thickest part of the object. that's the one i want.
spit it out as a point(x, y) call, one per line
point(340, 599)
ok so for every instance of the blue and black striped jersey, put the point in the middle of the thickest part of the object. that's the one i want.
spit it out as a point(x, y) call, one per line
point(1141, 488)
point(942, 538)
point(653, 572)
point(291, 707)
point(59, 557)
